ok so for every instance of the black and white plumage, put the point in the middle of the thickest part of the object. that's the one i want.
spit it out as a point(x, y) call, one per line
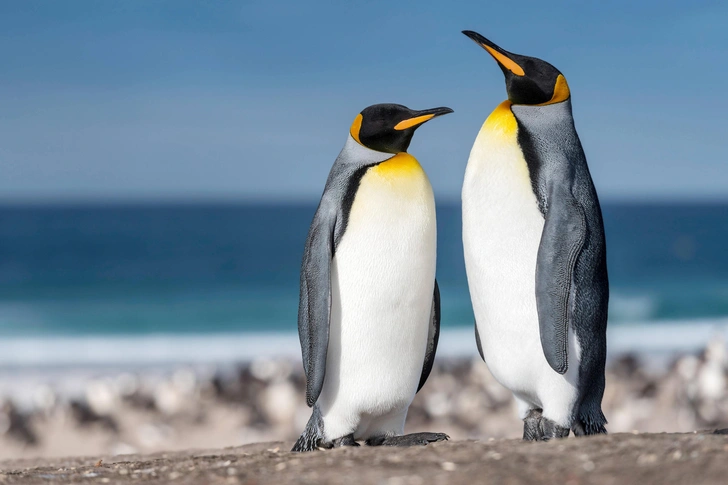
point(369, 306)
point(535, 253)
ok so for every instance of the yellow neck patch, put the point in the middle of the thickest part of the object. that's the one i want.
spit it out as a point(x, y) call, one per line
point(401, 165)
point(561, 91)
point(356, 127)
point(401, 175)
point(502, 119)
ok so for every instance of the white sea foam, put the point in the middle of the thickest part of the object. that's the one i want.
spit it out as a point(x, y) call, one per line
point(30, 366)
point(144, 350)
point(632, 306)
point(164, 350)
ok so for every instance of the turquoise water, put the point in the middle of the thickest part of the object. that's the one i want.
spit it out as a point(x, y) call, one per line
point(219, 269)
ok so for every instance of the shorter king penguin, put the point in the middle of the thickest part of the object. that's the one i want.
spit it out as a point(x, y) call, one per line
point(369, 309)
point(535, 253)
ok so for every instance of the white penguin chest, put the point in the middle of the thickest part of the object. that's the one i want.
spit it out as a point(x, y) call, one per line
point(386, 258)
point(502, 229)
point(382, 289)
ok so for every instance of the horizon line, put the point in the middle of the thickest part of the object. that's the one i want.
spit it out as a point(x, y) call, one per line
point(121, 201)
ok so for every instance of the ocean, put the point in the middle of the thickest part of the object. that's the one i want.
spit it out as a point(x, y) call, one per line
point(114, 284)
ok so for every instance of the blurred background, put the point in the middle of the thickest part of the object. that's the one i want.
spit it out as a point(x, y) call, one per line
point(162, 160)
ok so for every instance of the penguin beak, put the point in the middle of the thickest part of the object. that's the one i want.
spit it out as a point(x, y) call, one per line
point(421, 117)
point(502, 56)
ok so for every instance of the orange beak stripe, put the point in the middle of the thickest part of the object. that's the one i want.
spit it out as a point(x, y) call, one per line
point(505, 61)
point(404, 124)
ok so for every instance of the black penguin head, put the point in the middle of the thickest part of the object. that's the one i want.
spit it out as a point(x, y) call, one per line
point(528, 80)
point(389, 127)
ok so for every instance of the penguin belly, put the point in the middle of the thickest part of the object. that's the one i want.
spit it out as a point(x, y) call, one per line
point(383, 277)
point(502, 227)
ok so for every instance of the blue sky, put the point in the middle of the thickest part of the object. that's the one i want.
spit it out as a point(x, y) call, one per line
point(249, 100)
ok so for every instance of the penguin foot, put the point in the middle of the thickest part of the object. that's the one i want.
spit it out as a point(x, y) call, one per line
point(532, 426)
point(538, 428)
point(550, 429)
point(414, 439)
point(347, 440)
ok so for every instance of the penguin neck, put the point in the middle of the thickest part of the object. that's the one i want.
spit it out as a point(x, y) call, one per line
point(357, 154)
point(556, 114)
point(501, 120)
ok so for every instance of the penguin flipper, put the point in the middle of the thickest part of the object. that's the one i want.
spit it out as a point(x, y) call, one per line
point(433, 336)
point(477, 341)
point(562, 240)
point(314, 308)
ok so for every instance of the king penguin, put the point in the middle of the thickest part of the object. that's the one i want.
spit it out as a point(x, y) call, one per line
point(535, 253)
point(369, 308)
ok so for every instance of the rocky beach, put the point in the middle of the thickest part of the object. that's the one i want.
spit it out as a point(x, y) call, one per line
point(262, 400)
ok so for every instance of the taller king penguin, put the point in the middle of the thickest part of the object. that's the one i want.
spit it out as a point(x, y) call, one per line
point(535, 253)
point(369, 310)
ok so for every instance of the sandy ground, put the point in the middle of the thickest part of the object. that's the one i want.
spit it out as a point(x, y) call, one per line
point(696, 458)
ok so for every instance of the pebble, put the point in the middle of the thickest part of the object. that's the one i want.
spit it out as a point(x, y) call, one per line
point(448, 466)
point(280, 467)
point(646, 459)
point(588, 466)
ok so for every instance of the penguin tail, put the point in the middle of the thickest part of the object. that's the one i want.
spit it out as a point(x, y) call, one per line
point(313, 435)
point(589, 424)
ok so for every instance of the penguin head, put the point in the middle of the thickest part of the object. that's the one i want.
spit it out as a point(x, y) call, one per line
point(529, 80)
point(389, 127)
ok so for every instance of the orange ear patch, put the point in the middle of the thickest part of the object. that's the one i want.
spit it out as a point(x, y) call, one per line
point(356, 127)
point(561, 91)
